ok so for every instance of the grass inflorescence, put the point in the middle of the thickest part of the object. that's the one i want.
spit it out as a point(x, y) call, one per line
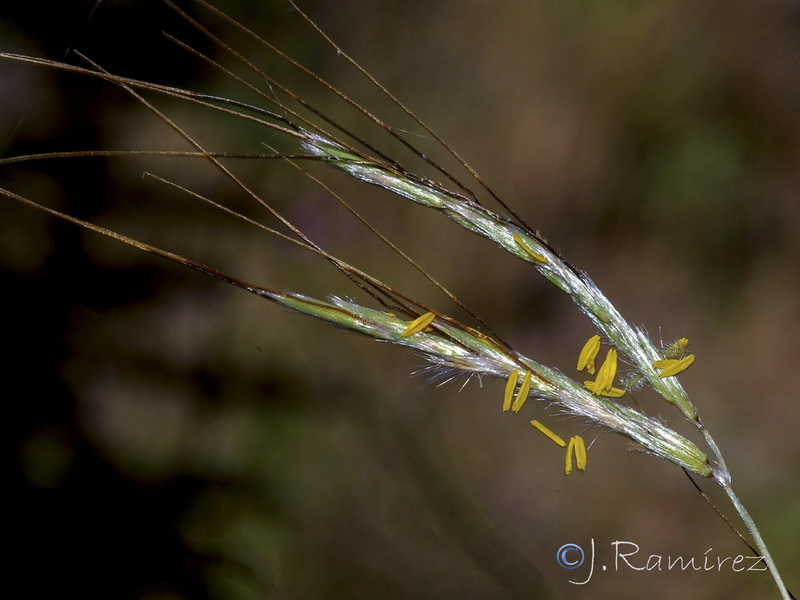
point(452, 348)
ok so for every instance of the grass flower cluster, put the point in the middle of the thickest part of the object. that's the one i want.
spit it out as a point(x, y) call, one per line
point(592, 399)
point(453, 348)
point(595, 401)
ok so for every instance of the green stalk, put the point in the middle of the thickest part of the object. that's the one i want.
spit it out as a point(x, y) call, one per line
point(759, 541)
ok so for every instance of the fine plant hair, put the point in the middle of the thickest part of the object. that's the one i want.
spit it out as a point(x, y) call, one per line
point(595, 395)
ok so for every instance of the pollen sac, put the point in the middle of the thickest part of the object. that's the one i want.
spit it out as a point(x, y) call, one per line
point(549, 433)
point(522, 394)
point(606, 374)
point(580, 453)
point(418, 324)
point(528, 250)
point(568, 457)
point(588, 354)
point(677, 349)
point(576, 448)
point(671, 367)
point(509, 393)
point(611, 392)
point(664, 363)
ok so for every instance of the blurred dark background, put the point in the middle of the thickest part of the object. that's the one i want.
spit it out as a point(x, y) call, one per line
point(174, 437)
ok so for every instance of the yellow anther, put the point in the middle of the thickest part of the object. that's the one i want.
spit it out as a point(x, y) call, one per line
point(580, 453)
point(549, 433)
point(611, 392)
point(568, 457)
point(677, 349)
point(577, 448)
point(664, 363)
point(671, 367)
point(510, 385)
point(528, 250)
point(588, 354)
point(522, 394)
point(418, 324)
point(606, 373)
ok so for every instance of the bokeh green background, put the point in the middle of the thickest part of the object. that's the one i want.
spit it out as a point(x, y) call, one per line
point(175, 437)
